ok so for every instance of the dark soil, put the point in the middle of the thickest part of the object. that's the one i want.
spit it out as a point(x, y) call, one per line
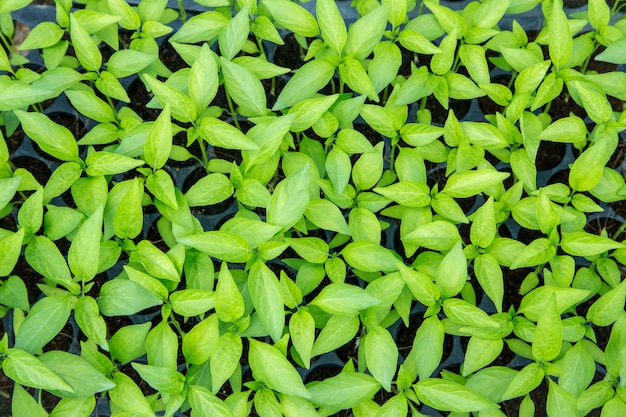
point(561, 106)
point(487, 105)
point(39, 169)
point(170, 58)
point(290, 55)
point(15, 140)
point(139, 97)
point(512, 282)
point(440, 115)
point(549, 155)
point(406, 335)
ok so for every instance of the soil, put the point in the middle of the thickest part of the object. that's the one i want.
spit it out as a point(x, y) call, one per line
point(549, 155)
point(487, 105)
point(39, 169)
point(171, 58)
point(139, 97)
point(561, 106)
point(15, 140)
point(290, 55)
point(512, 283)
point(440, 115)
point(213, 209)
point(406, 335)
point(539, 396)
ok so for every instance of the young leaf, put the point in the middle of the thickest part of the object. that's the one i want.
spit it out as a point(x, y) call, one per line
point(52, 138)
point(27, 370)
point(452, 272)
point(88, 318)
point(87, 103)
point(225, 360)
point(10, 247)
point(229, 304)
point(332, 24)
point(450, 396)
point(233, 37)
point(608, 308)
point(24, 404)
point(201, 342)
point(222, 245)
point(159, 143)
point(489, 275)
point(306, 81)
point(270, 367)
point(120, 297)
point(366, 33)
point(546, 344)
point(127, 396)
point(343, 391)
point(244, 87)
point(182, 107)
point(84, 251)
point(290, 199)
point(46, 319)
point(381, 354)
point(203, 79)
point(524, 382)
point(341, 299)
point(470, 183)
point(560, 42)
point(293, 17)
point(338, 331)
point(206, 404)
point(267, 298)
point(86, 49)
point(302, 330)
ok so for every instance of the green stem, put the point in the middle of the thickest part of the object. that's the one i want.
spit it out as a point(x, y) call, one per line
point(233, 113)
point(205, 158)
point(181, 9)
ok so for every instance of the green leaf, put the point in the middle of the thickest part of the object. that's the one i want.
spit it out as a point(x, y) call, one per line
point(85, 248)
point(44, 256)
point(468, 314)
point(12, 5)
point(13, 293)
point(524, 382)
point(268, 135)
point(608, 308)
point(127, 62)
point(325, 215)
point(162, 346)
point(192, 302)
point(489, 275)
point(438, 235)
point(203, 79)
point(86, 49)
point(181, 106)
point(74, 407)
point(566, 130)
point(366, 33)
point(338, 331)
point(332, 24)
point(30, 215)
point(587, 244)
point(267, 298)
point(229, 304)
point(233, 37)
point(110, 86)
point(290, 199)
point(52, 138)
point(121, 297)
point(560, 402)
point(46, 319)
point(381, 354)
point(43, 35)
point(352, 73)
point(452, 271)
point(127, 396)
point(244, 88)
point(343, 391)
point(201, 28)
point(533, 303)
point(161, 379)
point(91, 323)
point(84, 379)
point(212, 189)
point(206, 404)
point(221, 245)
point(294, 17)
point(108, 163)
point(407, 193)
point(450, 396)
point(225, 360)
point(11, 247)
point(8, 187)
point(546, 344)
point(24, 404)
point(560, 42)
point(368, 169)
point(538, 252)
point(308, 112)
point(161, 185)
point(27, 370)
point(129, 342)
point(470, 183)
point(128, 217)
point(224, 135)
point(129, 18)
point(339, 298)
point(159, 143)
point(201, 342)
point(479, 353)
point(302, 331)
point(270, 367)
point(369, 257)
point(87, 103)
point(306, 81)
point(578, 370)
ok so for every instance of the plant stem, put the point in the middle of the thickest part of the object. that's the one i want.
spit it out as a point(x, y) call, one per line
point(233, 113)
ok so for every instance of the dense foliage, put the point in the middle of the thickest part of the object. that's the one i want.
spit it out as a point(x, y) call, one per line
point(310, 209)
